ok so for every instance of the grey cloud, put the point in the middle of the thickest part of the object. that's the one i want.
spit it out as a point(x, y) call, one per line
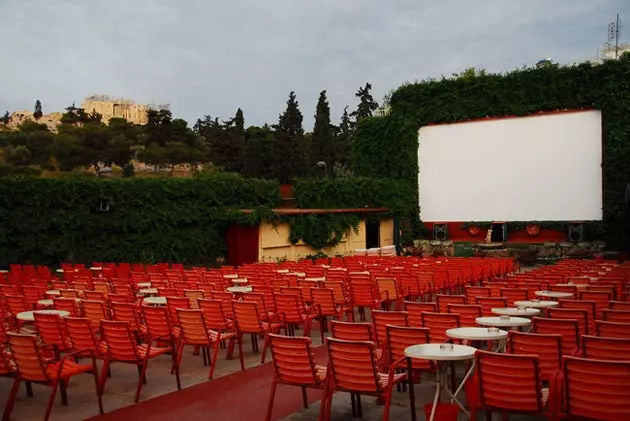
point(210, 57)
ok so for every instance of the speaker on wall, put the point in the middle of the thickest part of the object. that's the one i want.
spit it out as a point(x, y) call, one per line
point(440, 232)
point(576, 232)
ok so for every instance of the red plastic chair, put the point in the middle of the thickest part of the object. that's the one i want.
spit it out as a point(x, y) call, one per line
point(401, 337)
point(247, 320)
point(82, 335)
point(612, 329)
point(295, 366)
point(595, 389)
point(472, 293)
point(291, 309)
point(514, 294)
point(619, 305)
point(352, 331)
point(383, 318)
point(548, 348)
point(95, 311)
point(415, 309)
point(444, 300)
point(364, 295)
point(488, 303)
point(438, 324)
point(567, 328)
point(600, 298)
point(326, 305)
point(31, 366)
point(598, 348)
point(122, 347)
point(52, 331)
point(353, 368)
point(468, 313)
point(574, 314)
point(617, 316)
point(510, 384)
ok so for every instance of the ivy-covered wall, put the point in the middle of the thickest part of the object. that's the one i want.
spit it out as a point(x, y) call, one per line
point(387, 146)
point(45, 221)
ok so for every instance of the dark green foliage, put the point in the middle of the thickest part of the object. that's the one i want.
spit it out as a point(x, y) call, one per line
point(176, 219)
point(225, 141)
point(129, 170)
point(291, 143)
point(6, 118)
point(37, 114)
point(322, 146)
point(321, 231)
point(18, 155)
point(367, 105)
point(261, 153)
point(343, 140)
point(387, 147)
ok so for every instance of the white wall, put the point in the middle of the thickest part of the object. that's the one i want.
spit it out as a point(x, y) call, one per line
point(537, 168)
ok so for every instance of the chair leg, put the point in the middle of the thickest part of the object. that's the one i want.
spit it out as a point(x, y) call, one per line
point(213, 359)
point(143, 369)
point(104, 371)
point(264, 351)
point(323, 323)
point(324, 408)
point(29, 389)
point(304, 398)
point(11, 401)
point(271, 399)
point(62, 391)
point(99, 396)
point(51, 400)
point(176, 367)
point(239, 340)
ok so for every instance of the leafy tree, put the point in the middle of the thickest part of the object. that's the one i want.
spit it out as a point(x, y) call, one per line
point(37, 114)
point(6, 118)
point(78, 116)
point(225, 141)
point(18, 155)
point(261, 153)
point(290, 143)
point(322, 141)
point(68, 152)
point(155, 155)
point(343, 143)
point(367, 105)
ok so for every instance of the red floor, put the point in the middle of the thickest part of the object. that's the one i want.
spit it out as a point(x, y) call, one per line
point(242, 396)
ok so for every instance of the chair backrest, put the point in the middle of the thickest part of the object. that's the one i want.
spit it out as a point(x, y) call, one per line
point(520, 372)
point(175, 303)
point(383, 318)
point(352, 331)
point(325, 299)
point(213, 314)
point(387, 289)
point(16, 304)
point(193, 325)
point(619, 305)
point(612, 329)
point(401, 337)
point(95, 311)
point(589, 306)
point(567, 328)
point(289, 305)
point(247, 317)
point(574, 314)
point(28, 358)
point(353, 365)
point(472, 293)
point(121, 343)
point(444, 300)
point(226, 299)
point(596, 389)
point(488, 303)
point(363, 293)
point(126, 312)
point(548, 348)
point(415, 308)
point(52, 329)
point(82, 333)
point(514, 294)
point(618, 316)
point(158, 322)
point(601, 348)
point(468, 313)
point(439, 323)
point(294, 361)
point(601, 300)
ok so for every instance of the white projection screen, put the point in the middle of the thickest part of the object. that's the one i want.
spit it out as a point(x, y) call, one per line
point(543, 167)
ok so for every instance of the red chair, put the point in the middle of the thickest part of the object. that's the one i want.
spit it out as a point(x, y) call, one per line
point(548, 348)
point(444, 300)
point(295, 366)
point(612, 329)
point(353, 368)
point(567, 328)
point(594, 389)
point(247, 320)
point(468, 314)
point(600, 298)
point(95, 311)
point(415, 309)
point(588, 306)
point(514, 294)
point(293, 312)
point(52, 331)
point(123, 347)
point(216, 321)
point(508, 383)
point(598, 348)
point(326, 305)
point(388, 292)
point(31, 366)
point(472, 293)
point(401, 337)
point(438, 324)
point(619, 305)
point(488, 303)
point(82, 335)
point(574, 314)
point(383, 318)
point(364, 296)
point(617, 316)
point(352, 331)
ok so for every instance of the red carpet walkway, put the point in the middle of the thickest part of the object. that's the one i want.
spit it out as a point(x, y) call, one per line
point(242, 396)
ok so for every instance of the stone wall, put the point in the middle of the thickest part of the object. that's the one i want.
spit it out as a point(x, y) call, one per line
point(51, 120)
point(132, 112)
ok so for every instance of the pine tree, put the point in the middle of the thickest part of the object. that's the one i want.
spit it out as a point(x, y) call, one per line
point(343, 144)
point(291, 148)
point(367, 105)
point(323, 132)
point(37, 114)
point(6, 118)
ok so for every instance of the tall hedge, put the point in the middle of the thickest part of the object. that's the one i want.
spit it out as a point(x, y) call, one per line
point(387, 146)
point(45, 221)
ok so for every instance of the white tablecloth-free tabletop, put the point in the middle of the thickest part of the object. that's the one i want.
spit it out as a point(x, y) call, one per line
point(155, 301)
point(432, 352)
point(498, 322)
point(148, 291)
point(476, 334)
point(238, 290)
point(553, 294)
point(239, 281)
point(53, 292)
point(29, 316)
point(515, 311)
point(536, 304)
point(47, 303)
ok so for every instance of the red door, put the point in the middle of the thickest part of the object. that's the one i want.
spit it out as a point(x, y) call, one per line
point(242, 244)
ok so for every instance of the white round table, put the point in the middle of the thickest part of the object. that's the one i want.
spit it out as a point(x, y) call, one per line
point(155, 301)
point(143, 285)
point(148, 291)
point(282, 271)
point(320, 279)
point(499, 322)
point(536, 304)
point(96, 268)
point(298, 274)
point(578, 286)
point(476, 334)
point(53, 292)
point(515, 311)
point(433, 352)
point(48, 303)
point(239, 290)
point(553, 294)
point(230, 276)
point(4, 271)
point(240, 281)
point(29, 316)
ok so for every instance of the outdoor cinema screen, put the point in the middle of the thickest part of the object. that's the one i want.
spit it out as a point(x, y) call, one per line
point(542, 167)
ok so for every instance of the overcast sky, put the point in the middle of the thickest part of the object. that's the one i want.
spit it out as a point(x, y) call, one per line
point(211, 56)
